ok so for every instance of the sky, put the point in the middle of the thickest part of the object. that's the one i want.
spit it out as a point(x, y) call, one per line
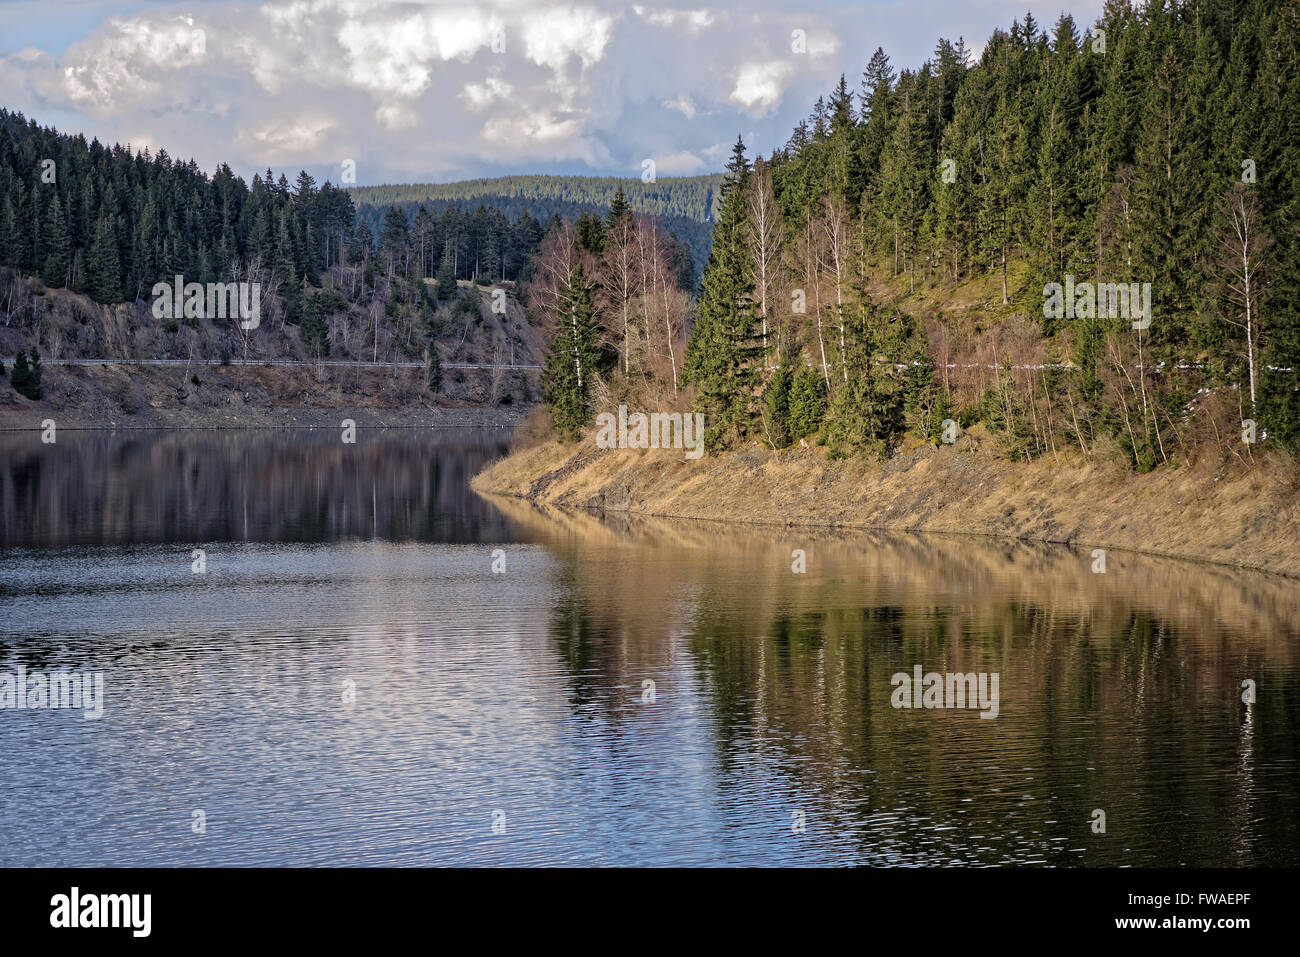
point(440, 90)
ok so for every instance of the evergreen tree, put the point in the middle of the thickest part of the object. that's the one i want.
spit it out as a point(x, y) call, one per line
point(807, 402)
point(312, 326)
point(446, 287)
point(26, 378)
point(721, 354)
point(103, 265)
point(618, 208)
point(54, 245)
point(433, 369)
point(572, 360)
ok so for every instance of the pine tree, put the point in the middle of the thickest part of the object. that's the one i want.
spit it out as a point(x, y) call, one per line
point(446, 287)
point(54, 245)
point(807, 402)
point(312, 326)
point(866, 413)
point(721, 354)
point(618, 208)
point(573, 359)
point(21, 374)
point(433, 368)
point(102, 264)
point(26, 378)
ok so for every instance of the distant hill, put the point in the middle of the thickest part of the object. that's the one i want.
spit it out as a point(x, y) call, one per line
point(686, 204)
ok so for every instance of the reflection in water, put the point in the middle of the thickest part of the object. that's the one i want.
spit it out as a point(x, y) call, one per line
point(266, 485)
point(522, 697)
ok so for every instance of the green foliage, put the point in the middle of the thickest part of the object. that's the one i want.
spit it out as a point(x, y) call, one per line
point(433, 369)
point(479, 212)
point(807, 402)
point(591, 233)
point(446, 286)
point(1049, 157)
point(26, 378)
point(866, 411)
point(116, 222)
point(573, 359)
point(312, 327)
point(776, 406)
point(721, 357)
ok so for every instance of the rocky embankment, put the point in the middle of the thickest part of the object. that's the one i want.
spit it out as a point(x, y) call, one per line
point(1241, 515)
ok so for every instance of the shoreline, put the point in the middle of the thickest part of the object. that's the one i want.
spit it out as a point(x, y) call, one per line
point(1242, 520)
point(107, 398)
point(266, 427)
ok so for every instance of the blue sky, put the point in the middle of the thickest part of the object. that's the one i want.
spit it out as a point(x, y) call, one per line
point(434, 90)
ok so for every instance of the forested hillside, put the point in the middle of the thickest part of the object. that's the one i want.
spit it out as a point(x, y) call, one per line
point(110, 223)
point(685, 205)
point(902, 262)
point(86, 232)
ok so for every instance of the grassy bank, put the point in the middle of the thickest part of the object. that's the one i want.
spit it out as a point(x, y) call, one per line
point(1242, 515)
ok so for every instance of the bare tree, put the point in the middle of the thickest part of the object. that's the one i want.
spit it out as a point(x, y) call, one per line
point(766, 238)
point(1244, 244)
point(617, 277)
point(835, 228)
point(557, 263)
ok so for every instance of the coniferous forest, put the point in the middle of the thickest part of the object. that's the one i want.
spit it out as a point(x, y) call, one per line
point(685, 205)
point(886, 273)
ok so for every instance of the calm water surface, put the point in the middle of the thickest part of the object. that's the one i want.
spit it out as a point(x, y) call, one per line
point(349, 682)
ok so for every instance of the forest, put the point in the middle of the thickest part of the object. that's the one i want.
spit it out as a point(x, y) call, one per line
point(685, 205)
point(887, 275)
point(109, 223)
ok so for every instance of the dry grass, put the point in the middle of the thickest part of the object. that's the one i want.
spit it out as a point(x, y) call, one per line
point(1224, 513)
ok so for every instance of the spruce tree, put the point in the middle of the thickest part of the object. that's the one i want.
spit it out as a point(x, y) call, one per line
point(54, 245)
point(573, 359)
point(26, 378)
point(446, 287)
point(619, 207)
point(723, 349)
point(433, 368)
point(103, 265)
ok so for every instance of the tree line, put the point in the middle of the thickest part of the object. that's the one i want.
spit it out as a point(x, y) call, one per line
point(684, 205)
point(111, 222)
point(691, 197)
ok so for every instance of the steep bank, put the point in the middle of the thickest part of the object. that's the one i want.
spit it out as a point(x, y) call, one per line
point(125, 397)
point(1242, 517)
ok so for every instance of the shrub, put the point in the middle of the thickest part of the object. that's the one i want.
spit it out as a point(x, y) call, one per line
point(807, 402)
point(776, 406)
point(26, 378)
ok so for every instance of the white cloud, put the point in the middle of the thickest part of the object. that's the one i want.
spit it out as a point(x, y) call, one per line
point(760, 86)
point(553, 36)
point(480, 96)
point(692, 20)
point(682, 104)
point(681, 163)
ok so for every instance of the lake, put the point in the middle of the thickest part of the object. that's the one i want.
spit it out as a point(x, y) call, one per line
point(315, 653)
